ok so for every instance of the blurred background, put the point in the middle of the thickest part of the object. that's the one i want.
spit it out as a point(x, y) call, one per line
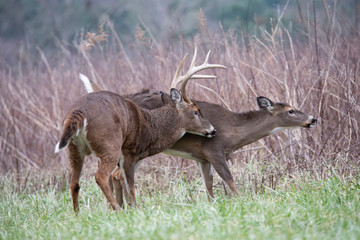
point(42, 23)
point(305, 53)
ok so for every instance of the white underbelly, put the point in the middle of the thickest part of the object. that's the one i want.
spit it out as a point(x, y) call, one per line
point(181, 154)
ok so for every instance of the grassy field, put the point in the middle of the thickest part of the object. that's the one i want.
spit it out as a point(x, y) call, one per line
point(326, 209)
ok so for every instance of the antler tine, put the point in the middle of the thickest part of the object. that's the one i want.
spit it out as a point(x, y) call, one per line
point(190, 74)
point(196, 76)
point(184, 82)
point(194, 69)
point(212, 65)
point(192, 65)
point(207, 57)
point(177, 79)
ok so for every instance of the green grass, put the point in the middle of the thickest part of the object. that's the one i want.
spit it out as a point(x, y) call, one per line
point(309, 210)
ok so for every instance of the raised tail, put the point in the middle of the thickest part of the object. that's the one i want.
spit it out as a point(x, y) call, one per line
point(90, 85)
point(73, 124)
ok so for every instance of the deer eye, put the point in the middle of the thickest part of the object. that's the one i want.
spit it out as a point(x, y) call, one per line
point(291, 111)
point(196, 113)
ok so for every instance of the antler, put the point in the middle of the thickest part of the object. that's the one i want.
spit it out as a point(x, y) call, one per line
point(190, 73)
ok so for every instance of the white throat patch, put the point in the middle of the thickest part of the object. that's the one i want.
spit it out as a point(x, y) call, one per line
point(275, 130)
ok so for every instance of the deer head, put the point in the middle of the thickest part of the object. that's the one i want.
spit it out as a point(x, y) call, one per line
point(286, 116)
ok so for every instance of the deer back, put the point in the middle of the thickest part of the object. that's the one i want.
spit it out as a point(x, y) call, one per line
point(235, 130)
point(109, 121)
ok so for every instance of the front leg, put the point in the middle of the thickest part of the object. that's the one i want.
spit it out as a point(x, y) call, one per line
point(218, 161)
point(127, 166)
point(118, 180)
point(208, 178)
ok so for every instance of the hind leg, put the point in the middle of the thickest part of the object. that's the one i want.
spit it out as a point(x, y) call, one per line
point(76, 163)
point(106, 166)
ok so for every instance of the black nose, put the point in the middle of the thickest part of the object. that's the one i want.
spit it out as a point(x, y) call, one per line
point(210, 134)
point(213, 132)
point(314, 121)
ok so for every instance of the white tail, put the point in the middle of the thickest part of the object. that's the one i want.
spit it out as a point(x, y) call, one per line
point(86, 83)
point(57, 148)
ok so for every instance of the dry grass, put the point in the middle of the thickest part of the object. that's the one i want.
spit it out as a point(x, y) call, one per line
point(318, 74)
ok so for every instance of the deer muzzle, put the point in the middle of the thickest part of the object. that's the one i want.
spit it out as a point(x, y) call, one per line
point(211, 133)
point(312, 123)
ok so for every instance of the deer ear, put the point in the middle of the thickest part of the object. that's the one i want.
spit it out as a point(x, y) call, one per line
point(175, 96)
point(265, 103)
point(165, 98)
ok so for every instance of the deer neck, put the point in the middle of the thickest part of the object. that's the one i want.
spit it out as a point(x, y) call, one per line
point(252, 126)
point(163, 128)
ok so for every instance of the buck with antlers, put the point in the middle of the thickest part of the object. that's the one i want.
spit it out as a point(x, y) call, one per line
point(234, 130)
point(117, 131)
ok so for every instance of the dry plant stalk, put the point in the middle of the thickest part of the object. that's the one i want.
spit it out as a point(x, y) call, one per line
point(94, 38)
